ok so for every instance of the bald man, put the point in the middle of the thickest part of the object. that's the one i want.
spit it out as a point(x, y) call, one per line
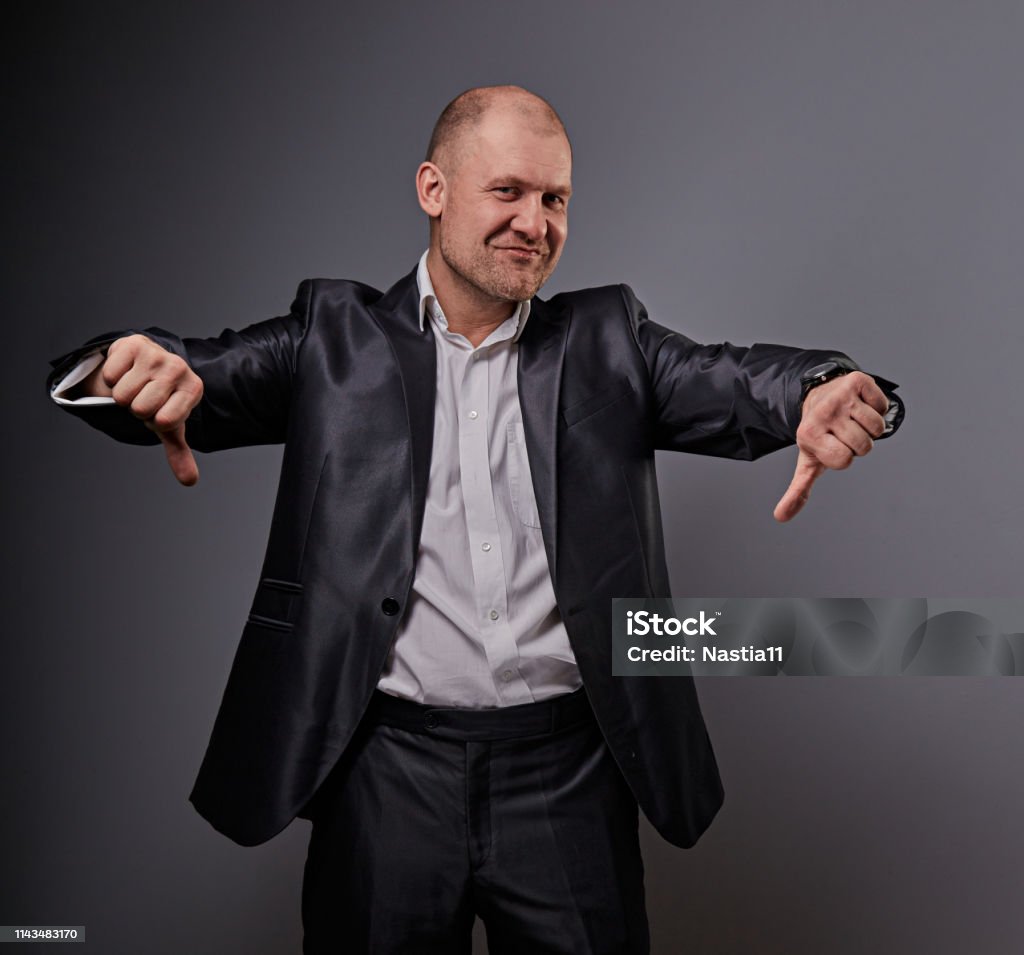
point(468, 480)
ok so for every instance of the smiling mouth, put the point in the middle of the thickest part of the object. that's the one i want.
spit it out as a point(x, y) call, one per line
point(518, 252)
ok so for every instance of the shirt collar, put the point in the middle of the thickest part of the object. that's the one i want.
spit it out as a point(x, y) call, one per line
point(428, 300)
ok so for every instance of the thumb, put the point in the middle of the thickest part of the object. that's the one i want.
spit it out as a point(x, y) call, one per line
point(808, 470)
point(179, 455)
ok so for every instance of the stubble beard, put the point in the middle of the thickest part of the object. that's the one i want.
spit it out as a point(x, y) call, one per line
point(481, 271)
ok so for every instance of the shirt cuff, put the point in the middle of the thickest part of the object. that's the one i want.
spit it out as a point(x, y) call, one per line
point(897, 409)
point(76, 376)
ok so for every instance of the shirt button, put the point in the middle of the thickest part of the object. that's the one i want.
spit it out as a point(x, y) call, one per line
point(473, 415)
point(485, 546)
point(507, 675)
point(493, 615)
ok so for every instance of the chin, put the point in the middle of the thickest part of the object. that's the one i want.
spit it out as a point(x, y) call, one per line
point(523, 294)
point(509, 290)
point(519, 288)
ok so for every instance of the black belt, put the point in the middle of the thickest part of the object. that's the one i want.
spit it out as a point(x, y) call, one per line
point(504, 722)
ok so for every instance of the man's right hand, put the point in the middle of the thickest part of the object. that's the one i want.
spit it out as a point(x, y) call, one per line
point(156, 386)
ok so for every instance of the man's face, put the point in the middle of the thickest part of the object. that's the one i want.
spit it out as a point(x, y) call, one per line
point(504, 220)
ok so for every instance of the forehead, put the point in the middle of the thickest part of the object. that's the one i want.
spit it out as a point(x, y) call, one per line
point(525, 147)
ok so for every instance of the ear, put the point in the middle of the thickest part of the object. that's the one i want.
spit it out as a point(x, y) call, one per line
point(430, 189)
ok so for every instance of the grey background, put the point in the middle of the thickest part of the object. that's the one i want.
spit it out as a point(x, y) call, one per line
point(812, 172)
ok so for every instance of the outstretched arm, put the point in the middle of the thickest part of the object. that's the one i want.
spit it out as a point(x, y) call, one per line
point(743, 402)
point(223, 392)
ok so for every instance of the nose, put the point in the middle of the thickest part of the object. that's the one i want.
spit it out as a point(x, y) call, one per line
point(530, 221)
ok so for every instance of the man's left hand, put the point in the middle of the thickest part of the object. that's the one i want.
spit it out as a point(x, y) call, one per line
point(839, 421)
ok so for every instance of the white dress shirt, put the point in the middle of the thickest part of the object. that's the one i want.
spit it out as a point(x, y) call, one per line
point(482, 628)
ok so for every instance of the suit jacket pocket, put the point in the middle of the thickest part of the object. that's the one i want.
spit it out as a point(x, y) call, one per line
point(598, 401)
point(276, 604)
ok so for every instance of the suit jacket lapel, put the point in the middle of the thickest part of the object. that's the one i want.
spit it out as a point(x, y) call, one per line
point(541, 352)
point(397, 315)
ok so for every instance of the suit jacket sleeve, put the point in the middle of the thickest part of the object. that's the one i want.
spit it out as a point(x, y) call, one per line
point(724, 400)
point(247, 380)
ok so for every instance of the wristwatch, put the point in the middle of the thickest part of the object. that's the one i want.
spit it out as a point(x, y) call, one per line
point(819, 374)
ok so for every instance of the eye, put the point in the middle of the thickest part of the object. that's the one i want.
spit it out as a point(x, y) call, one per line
point(552, 200)
point(509, 191)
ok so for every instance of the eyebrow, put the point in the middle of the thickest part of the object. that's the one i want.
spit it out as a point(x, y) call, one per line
point(559, 190)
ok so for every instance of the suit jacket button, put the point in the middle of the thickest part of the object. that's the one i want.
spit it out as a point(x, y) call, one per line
point(390, 606)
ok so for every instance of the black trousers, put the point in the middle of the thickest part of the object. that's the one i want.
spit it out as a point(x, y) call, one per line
point(435, 816)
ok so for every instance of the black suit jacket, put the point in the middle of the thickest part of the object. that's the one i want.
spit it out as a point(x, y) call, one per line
point(347, 382)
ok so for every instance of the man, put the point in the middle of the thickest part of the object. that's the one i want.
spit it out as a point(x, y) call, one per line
point(468, 479)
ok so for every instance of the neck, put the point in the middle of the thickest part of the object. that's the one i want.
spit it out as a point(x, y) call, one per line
point(469, 312)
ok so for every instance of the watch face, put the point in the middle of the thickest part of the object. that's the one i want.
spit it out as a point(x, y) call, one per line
point(820, 372)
